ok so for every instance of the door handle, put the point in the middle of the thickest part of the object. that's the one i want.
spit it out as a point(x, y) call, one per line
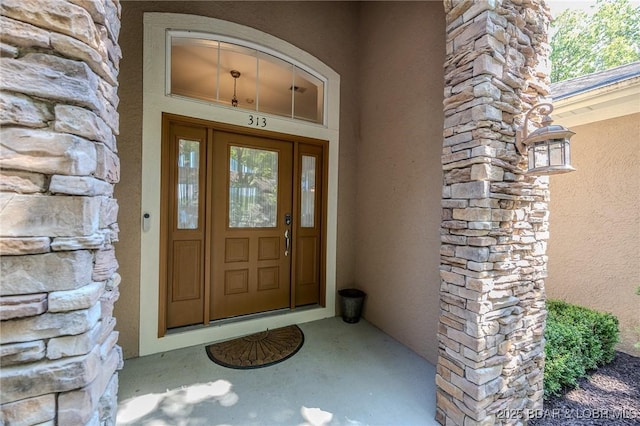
point(287, 242)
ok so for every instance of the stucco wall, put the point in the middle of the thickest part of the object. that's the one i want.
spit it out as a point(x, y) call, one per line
point(594, 248)
point(393, 221)
point(399, 171)
point(325, 30)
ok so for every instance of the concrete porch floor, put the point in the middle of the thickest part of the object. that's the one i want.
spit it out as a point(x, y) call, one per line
point(356, 372)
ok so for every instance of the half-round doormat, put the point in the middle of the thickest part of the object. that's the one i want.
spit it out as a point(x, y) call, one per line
point(259, 349)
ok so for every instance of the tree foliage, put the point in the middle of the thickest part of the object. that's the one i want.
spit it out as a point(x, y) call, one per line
point(584, 42)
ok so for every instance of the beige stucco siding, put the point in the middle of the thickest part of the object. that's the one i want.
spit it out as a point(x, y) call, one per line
point(395, 129)
point(399, 178)
point(326, 30)
point(594, 247)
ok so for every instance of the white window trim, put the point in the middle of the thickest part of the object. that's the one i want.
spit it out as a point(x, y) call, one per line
point(155, 102)
point(260, 48)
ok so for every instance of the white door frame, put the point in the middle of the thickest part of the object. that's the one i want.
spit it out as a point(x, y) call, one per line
point(155, 102)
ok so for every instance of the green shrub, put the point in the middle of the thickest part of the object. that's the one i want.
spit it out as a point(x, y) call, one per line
point(562, 367)
point(577, 340)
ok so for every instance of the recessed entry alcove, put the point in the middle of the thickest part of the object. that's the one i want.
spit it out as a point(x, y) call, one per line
point(239, 183)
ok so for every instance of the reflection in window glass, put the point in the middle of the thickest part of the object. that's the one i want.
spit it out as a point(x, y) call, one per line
point(308, 192)
point(243, 60)
point(309, 97)
point(194, 68)
point(276, 82)
point(201, 69)
point(188, 181)
point(253, 188)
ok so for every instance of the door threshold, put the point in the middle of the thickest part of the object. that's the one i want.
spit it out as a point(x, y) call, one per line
point(240, 318)
point(231, 320)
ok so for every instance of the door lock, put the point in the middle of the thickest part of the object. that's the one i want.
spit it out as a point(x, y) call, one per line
point(287, 234)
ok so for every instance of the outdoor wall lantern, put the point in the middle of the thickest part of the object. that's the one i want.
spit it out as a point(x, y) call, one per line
point(547, 148)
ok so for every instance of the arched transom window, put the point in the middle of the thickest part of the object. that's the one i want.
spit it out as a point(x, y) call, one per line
point(212, 69)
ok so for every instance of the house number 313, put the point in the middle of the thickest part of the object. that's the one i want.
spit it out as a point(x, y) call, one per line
point(256, 121)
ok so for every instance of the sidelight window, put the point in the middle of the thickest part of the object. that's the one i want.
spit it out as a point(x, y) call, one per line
point(188, 183)
point(308, 191)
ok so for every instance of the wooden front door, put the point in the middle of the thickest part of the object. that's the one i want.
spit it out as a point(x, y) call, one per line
point(252, 224)
point(242, 223)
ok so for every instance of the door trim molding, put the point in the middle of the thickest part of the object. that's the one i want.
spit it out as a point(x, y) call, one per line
point(298, 144)
point(155, 103)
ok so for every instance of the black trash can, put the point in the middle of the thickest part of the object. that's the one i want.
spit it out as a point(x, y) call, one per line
point(351, 301)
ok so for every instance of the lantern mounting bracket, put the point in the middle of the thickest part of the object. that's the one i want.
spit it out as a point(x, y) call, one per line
point(521, 137)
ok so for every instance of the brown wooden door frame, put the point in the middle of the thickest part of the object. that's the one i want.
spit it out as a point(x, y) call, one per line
point(301, 146)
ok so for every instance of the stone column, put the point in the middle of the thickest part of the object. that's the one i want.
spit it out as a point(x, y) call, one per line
point(59, 164)
point(494, 225)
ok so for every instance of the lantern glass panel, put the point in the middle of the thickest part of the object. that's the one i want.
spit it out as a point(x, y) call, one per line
point(556, 152)
point(540, 155)
point(567, 152)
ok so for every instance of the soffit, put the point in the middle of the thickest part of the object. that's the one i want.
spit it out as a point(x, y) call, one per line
point(596, 97)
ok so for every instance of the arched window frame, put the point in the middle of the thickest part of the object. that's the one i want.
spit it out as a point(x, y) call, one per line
point(155, 103)
point(260, 49)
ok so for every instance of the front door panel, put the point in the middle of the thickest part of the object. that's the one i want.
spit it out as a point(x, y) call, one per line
point(242, 218)
point(251, 256)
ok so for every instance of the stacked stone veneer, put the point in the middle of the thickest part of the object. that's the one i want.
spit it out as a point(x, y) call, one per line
point(58, 160)
point(495, 219)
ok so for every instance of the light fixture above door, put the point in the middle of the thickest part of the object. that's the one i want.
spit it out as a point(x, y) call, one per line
point(235, 74)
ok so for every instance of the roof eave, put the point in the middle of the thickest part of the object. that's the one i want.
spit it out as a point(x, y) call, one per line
point(602, 103)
